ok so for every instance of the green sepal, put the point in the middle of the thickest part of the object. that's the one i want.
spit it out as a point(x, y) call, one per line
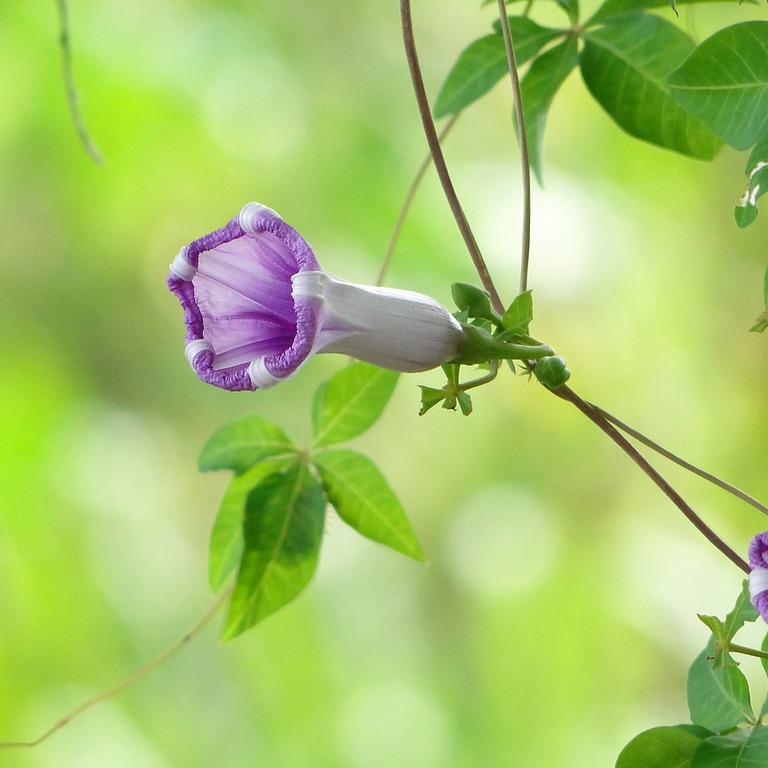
point(465, 402)
point(519, 314)
point(430, 397)
point(475, 301)
point(552, 371)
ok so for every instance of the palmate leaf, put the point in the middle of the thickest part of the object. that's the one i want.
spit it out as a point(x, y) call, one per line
point(484, 62)
point(744, 748)
point(718, 698)
point(724, 82)
point(538, 88)
point(663, 747)
point(351, 402)
point(364, 500)
point(625, 65)
point(282, 530)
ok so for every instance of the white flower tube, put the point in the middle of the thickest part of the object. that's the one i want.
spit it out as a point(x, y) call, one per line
point(402, 330)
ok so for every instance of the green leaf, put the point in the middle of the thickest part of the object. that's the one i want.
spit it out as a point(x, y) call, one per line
point(715, 625)
point(364, 500)
point(757, 171)
point(662, 747)
point(352, 402)
point(519, 314)
point(723, 632)
point(226, 542)
point(625, 65)
point(743, 611)
point(724, 82)
point(538, 88)
point(571, 7)
point(611, 8)
point(718, 699)
point(318, 403)
point(241, 444)
point(484, 62)
point(283, 529)
point(745, 748)
point(764, 664)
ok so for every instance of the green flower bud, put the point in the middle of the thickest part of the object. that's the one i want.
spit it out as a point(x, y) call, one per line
point(552, 371)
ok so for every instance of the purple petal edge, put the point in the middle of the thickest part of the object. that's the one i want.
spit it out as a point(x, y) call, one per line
point(307, 310)
point(758, 548)
point(760, 602)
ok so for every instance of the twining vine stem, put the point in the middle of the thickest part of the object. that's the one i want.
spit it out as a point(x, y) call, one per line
point(597, 418)
point(514, 76)
point(415, 184)
point(69, 81)
point(438, 158)
point(667, 454)
point(172, 649)
point(564, 392)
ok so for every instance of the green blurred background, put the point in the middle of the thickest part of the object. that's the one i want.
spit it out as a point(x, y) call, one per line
point(557, 615)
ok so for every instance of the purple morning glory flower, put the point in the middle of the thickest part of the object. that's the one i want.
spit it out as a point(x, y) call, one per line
point(257, 305)
point(758, 576)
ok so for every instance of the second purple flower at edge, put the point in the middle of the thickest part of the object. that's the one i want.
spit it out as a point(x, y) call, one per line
point(758, 575)
point(257, 305)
